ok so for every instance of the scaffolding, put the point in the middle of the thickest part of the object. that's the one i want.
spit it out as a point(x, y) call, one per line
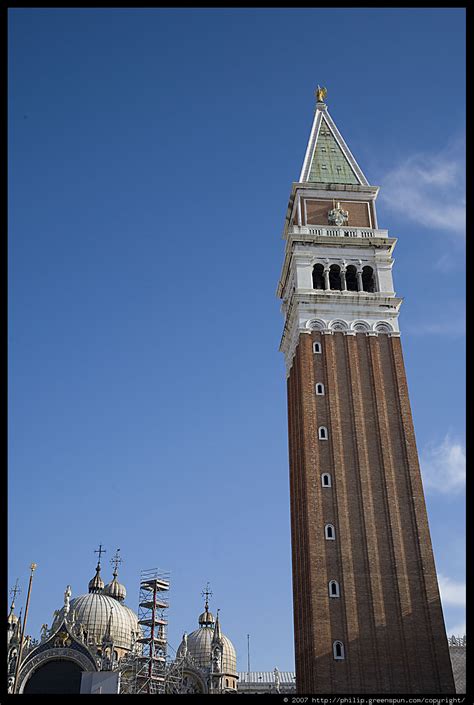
point(147, 668)
point(151, 666)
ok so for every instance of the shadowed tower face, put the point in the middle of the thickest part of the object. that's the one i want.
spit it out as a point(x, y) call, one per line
point(367, 611)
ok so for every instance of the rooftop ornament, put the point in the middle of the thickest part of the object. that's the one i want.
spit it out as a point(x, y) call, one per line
point(320, 94)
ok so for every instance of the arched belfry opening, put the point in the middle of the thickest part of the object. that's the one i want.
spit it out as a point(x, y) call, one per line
point(318, 276)
point(368, 279)
point(351, 278)
point(335, 277)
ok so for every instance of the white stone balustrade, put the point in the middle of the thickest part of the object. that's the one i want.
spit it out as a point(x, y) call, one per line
point(333, 231)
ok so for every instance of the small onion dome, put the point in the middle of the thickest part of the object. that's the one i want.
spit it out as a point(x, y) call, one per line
point(206, 619)
point(115, 590)
point(12, 619)
point(96, 584)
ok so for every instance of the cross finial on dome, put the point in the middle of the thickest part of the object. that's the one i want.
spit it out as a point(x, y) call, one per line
point(16, 590)
point(115, 561)
point(100, 551)
point(207, 593)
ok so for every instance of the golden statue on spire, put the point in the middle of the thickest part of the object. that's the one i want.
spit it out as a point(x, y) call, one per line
point(320, 94)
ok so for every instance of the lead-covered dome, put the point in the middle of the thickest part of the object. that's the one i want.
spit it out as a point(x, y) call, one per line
point(199, 647)
point(93, 612)
point(102, 613)
point(198, 644)
point(96, 584)
point(116, 590)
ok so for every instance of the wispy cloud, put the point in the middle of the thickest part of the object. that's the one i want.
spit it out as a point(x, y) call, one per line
point(443, 466)
point(453, 592)
point(454, 328)
point(429, 189)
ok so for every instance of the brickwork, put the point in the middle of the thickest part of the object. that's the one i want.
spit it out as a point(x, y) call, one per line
point(388, 615)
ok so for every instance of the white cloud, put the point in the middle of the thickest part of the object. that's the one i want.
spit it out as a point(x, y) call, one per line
point(430, 189)
point(453, 593)
point(443, 466)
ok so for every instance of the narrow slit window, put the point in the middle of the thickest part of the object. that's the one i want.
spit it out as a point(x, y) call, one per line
point(338, 650)
point(326, 479)
point(334, 588)
point(323, 433)
point(320, 388)
point(329, 532)
point(317, 348)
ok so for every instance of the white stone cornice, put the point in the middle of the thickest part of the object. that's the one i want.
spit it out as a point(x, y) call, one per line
point(304, 318)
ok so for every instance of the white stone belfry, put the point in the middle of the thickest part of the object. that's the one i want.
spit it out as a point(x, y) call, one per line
point(337, 271)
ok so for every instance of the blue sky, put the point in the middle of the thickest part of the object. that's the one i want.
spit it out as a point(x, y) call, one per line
point(151, 156)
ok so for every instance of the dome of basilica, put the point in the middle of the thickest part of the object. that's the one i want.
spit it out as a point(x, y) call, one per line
point(198, 644)
point(100, 606)
point(93, 611)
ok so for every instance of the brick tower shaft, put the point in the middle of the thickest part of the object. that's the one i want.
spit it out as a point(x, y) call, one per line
point(367, 610)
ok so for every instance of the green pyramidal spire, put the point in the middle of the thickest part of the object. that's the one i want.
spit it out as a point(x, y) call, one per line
point(329, 164)
point(328, 158)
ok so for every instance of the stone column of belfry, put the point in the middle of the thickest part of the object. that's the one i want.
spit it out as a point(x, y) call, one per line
point(367, 610)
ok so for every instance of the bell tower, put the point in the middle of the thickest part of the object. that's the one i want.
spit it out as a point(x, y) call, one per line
point(367, 610)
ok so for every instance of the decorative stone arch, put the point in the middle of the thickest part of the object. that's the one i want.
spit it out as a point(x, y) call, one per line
point(338, 325)
point(360, 326)
point(383, 327)
point(194, 678)
point(316, 324)
point(53, 654)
